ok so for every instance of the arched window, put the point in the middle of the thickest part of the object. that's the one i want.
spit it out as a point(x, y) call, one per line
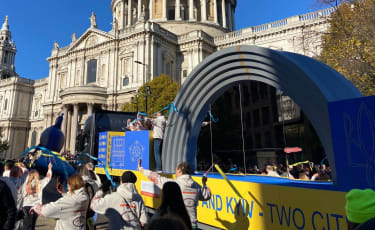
point(91, 70)
point(33, 138)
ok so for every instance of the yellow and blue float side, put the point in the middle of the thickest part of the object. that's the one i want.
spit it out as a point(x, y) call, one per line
point(265, 202)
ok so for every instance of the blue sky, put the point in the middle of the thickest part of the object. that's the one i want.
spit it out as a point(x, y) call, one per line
point(35, 25)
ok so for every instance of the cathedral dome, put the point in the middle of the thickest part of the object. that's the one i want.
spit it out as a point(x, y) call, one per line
point(178, 16)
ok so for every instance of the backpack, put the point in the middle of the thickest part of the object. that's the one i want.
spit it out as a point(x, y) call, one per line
point(90, 192)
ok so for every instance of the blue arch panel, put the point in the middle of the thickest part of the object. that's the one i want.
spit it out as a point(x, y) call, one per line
point(310, 83)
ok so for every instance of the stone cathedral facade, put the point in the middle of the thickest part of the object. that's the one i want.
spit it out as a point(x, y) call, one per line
point(103, 69)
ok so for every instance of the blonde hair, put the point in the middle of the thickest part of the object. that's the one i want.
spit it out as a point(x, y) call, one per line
point(30, 188)
point(75, 182)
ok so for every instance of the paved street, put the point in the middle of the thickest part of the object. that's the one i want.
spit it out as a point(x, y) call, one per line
point(45, 223)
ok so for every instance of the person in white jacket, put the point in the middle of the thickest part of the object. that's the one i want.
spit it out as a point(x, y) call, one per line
point(32, 195)
point(92, 184)
point(191, 190)
point(69, 210)
point(124, 208)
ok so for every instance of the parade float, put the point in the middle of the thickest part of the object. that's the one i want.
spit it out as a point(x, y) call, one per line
point(342, 118)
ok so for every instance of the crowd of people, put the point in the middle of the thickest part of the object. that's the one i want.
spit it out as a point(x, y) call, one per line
point(84, 194)
point(303, 171)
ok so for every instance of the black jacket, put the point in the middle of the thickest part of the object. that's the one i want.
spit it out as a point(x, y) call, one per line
point(8, 208)
point(368, 225)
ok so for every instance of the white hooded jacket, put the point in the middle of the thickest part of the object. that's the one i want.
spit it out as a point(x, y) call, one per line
point(124, 208)
point(191, 191)
point(35, 198)
point(69, 210)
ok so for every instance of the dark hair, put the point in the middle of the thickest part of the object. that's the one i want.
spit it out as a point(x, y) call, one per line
point(185, 168)
point(9, 164)
point(128, 177)
point(82, 170)
point(170, 222)
point(173, 203)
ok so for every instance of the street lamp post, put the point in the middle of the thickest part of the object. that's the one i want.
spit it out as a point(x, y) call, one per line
point(148, 88)
point(148, 92)
point(146, 68)
point(137, 95)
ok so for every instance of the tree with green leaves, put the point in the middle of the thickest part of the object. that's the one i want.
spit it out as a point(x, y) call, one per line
point(163, 91)
point(349, 44)
point(4, 146)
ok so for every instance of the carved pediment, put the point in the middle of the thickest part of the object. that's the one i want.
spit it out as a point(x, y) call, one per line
point(91, 38)
point(127, 52)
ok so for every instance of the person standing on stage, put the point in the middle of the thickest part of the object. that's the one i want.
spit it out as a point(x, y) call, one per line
point(159, 124)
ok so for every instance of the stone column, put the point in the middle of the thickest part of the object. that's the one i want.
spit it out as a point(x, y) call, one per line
point(90, 107)
point(139, 11)
point(229, 22)
point(178, 10)
point(233, 22)
point(64, 124)
point(224, 13)
point(68, 130)
point(150, 9)
point(191, 10)
point(124, 15)
point(130, 13)
point(215, 12)
point(164, 9)
point(73, 133)
point(204, 11)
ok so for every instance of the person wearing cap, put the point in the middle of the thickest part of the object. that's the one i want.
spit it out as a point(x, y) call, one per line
point(360, 209)
point(124, 208)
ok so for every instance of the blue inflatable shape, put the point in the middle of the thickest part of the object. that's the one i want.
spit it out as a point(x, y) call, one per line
point(52, 138)
point(59, 167)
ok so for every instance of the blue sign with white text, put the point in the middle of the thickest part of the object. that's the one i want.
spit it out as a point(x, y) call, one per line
point(127, 150)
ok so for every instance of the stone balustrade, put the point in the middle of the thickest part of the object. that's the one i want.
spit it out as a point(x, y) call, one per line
point(16, 79)
point(280, 24)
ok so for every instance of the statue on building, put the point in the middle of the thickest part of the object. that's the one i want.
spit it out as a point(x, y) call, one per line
point(182, 14)
point(142, 17)
point(93, 20)
point(56, 45)
point(74, 37)
point(134, 16)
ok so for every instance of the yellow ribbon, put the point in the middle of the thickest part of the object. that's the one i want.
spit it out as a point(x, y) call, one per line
point(55, 153)
point(227, 180)
point(303, 162)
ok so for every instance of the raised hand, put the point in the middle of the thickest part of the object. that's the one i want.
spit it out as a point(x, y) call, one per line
point(204, 179)
point(139, 164)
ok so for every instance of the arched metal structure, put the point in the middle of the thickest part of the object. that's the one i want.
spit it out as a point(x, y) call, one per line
point(310, 83)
